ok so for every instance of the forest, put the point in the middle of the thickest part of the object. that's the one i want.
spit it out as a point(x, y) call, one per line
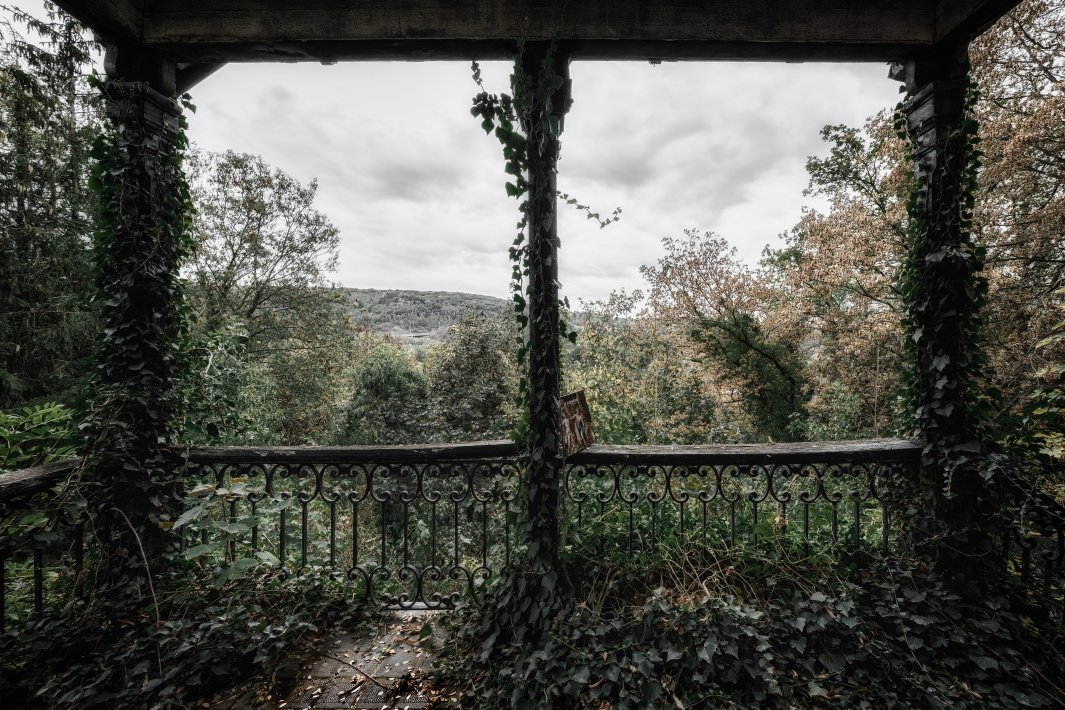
point(809, 345)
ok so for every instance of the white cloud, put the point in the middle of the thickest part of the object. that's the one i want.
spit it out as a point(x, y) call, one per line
point(416, 187)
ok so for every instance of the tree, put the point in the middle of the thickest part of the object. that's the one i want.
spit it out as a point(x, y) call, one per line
point(389, 404)
point(48, 119)
point(769, 370)
point(473, 380)
point(835, 277)
point(263, 250)
point(643, 382)
point(737, 327)
point(259, 273)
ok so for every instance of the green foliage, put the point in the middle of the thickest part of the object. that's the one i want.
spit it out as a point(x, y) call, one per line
point(36, 435)
point(944, 291)
point(770, 367)
point(402, 312)
point(528, 124)
point(230, 398)
point(140, 242)
point(836, 419)
point(200, 637)
point(48, 120)
point(641, 387)
point(471, 381)
point(764, 637)
point(263, 304)
point(390, 401)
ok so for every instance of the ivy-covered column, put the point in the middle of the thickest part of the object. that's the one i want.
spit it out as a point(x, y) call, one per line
point(139, 246)
point(546, 73)
point(945, 290)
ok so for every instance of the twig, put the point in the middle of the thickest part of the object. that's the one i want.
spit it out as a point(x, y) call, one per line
point(151, 585)
point(373, 680)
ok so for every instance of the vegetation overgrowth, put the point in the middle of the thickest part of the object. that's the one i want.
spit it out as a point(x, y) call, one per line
point(193, 641)
point(811, 344)
point(703, 630)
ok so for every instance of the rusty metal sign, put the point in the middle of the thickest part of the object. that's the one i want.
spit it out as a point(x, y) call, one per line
point(577, 431)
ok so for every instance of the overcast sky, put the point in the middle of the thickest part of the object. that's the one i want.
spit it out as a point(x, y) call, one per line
point(416, 187)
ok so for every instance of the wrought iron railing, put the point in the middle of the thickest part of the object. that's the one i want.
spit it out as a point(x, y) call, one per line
point(37, 556)
point(429, 526)
point(801, 497)
point(409, 526)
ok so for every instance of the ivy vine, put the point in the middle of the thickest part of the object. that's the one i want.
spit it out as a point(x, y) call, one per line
point(945, 291)
point(528, 110)
point(140, 241)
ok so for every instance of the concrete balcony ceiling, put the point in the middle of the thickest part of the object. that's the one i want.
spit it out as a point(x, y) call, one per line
point(196, 31)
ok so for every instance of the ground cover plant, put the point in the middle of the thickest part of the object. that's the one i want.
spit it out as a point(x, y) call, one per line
point(174, 650)
point(700, 630)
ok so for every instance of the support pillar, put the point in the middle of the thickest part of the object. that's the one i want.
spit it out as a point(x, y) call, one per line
point(944, 291)
point(139, 246)
point(550, 102)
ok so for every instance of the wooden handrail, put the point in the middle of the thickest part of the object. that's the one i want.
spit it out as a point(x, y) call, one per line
point(413, 453)
point(27, 481)
point(827, 452)
point(17, 484)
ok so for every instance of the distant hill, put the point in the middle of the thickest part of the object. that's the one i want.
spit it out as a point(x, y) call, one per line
point(417, 316)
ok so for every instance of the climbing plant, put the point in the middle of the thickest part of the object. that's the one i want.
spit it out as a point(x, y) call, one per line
point(529, 111)
point(140, 241)
point(944, 291)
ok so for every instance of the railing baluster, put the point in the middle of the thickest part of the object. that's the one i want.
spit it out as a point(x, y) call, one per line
point(455, 530)
point(506, 532)
point(732, 522)
point(432, 535)
point(704, 504)
point(384, 528)
point(484, 533)
point(283, 537)
point(303, 534)
point(38, 580)
point(254, 528)
point(754, 521)
point(406, 528)
point(232, 547)
point(332, 534)
point(354, 534)
point(857, 525)
point(806, 527)
point(3, 593)
point(79, 560)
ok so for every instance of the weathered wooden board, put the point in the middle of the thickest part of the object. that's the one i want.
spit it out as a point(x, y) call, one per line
point(577, 430)
point(423, 453)
point(861, 451)
point(27, 481)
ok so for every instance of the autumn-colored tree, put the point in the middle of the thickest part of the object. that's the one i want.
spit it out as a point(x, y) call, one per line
point(642, 378)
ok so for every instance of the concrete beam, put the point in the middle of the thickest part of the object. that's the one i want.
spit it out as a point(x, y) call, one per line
point(958, 21)
point(117, 20)
point(195, 31)
point(218, 31)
